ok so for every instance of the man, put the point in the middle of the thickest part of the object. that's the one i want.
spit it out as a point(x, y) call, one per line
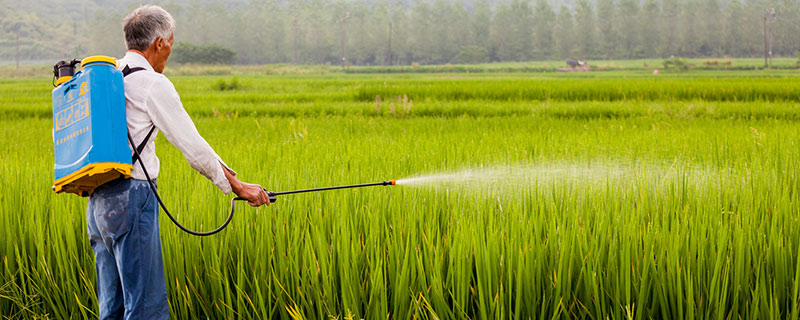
point(122, 215)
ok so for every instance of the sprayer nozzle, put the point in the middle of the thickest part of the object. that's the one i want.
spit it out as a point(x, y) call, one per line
point(394, 182)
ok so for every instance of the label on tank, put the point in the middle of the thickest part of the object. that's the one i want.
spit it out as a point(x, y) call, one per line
point(75, 111)
point(72, 128)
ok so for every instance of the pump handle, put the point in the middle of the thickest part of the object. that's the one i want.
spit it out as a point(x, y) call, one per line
point(64, 69)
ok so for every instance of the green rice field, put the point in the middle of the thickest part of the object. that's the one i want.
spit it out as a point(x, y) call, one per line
point(604, 195)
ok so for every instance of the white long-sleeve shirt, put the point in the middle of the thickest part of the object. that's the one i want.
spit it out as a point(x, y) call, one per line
point(151, 99)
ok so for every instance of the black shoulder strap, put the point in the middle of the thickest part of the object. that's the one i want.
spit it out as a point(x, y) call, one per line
point(125, 72)
point(140, 147)
point(128, 70)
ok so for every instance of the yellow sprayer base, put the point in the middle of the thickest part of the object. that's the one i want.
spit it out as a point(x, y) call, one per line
point(84, 181)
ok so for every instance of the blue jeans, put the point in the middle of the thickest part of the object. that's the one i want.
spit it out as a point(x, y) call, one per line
point(122, 218)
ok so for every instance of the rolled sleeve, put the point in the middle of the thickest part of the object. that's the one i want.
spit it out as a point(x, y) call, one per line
point(168, 115)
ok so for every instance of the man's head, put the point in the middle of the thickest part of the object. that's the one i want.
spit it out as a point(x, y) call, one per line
point(150, 30)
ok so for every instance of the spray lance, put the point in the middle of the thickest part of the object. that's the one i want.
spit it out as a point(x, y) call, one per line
point(273, 195)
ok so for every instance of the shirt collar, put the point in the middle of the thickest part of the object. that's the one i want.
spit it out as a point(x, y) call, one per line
point(134, 59)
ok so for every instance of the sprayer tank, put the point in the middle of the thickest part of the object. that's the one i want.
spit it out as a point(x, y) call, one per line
point(90, 129)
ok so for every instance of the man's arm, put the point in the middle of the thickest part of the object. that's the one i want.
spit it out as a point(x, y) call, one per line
point(253, 193)
point(167, 113)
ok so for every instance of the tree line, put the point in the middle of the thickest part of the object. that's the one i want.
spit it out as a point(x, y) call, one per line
point(386, 32)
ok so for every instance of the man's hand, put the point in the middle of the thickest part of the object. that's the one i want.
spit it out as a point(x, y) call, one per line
point(253, 193)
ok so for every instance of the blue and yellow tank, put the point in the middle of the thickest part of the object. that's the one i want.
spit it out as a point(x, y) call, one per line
point(89, 128)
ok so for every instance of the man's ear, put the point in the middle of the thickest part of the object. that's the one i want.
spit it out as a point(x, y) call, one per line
point(157, 43)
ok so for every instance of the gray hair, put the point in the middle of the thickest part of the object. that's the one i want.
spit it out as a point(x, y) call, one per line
point(145, 24)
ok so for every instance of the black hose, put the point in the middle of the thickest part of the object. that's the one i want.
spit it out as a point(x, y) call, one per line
point(155, 192)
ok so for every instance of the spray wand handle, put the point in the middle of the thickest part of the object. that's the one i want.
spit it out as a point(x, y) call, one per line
point(270, 194)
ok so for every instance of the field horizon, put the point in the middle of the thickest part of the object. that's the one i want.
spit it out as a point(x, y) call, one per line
point(8, 69)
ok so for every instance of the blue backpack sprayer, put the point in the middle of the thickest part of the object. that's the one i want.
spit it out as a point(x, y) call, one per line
point(91, 142)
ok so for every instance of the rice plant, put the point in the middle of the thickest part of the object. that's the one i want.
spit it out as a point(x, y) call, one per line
point(576, 207)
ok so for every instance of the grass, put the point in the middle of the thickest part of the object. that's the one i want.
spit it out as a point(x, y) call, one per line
point(445, 95)
point(642, 207)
